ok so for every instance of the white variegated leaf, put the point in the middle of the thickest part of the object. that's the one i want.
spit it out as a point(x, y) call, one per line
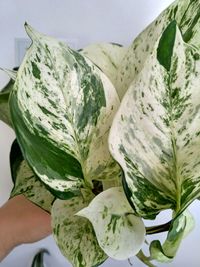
point(75, 235)
point(187, 15)
point(158, 126)
point(119, 232)
point(179, 229)
point(62, 106)
point(108, 57)
point(32, 188)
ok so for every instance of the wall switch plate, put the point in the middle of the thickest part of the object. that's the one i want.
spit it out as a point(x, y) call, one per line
point(22, 44)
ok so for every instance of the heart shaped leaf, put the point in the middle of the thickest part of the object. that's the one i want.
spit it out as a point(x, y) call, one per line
point(119, 232)
point(158, 126)
point(62, 107)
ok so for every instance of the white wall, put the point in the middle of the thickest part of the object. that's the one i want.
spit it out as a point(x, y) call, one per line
point(87, 22)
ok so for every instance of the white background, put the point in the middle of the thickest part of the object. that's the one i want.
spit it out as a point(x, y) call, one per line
point(85, 22)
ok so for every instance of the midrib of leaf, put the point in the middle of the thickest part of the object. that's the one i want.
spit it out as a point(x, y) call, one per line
point(176, 173)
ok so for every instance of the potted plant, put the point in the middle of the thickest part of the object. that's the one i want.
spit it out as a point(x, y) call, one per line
point(109, 136)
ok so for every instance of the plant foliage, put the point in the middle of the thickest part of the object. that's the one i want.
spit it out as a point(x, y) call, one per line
point(108, 136)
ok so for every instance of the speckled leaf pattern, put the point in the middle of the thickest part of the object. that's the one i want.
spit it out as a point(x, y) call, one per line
point(158, 126)
point(180, 227)
point(62, 106)
point(75, 235)
point(119, 232)
point(108, 57)
point(187, 15)
point(4, 106)
point(32, 188)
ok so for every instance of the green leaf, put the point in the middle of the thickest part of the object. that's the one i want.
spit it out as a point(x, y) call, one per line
point(180, 227)
point(119, 232)
point(26, 182)
point(187, 15)
point(108, 57)
point(75, 235)
point(62, 106)
point(38, 260)
point(158, 126)
point(4, 106)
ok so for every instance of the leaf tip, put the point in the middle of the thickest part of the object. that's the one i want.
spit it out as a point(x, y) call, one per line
point(30, 31)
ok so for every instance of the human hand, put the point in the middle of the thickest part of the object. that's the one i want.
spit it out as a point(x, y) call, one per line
point(21, 222)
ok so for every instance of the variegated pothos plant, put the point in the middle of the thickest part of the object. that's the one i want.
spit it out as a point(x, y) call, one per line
point(108, 136)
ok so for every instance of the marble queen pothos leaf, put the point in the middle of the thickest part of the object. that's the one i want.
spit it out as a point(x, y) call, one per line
point(119, 232)
point(108, 57)
point(26, 182)
point(158, 126)
point(75, 235)
point(62, 107)
point(187, 15)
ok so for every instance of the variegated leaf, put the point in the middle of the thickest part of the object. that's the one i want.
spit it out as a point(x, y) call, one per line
point(108, 57)
point(187, 15)
point(62, 106)
point(32, 188)
point(180, 227)
point(158, 126)
point(75, 235)
point(4, 106)
point(26, 182)
point(119, 232)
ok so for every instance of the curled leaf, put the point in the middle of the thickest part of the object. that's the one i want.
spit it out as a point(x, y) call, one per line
point(181, 226)
point(119, 232)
